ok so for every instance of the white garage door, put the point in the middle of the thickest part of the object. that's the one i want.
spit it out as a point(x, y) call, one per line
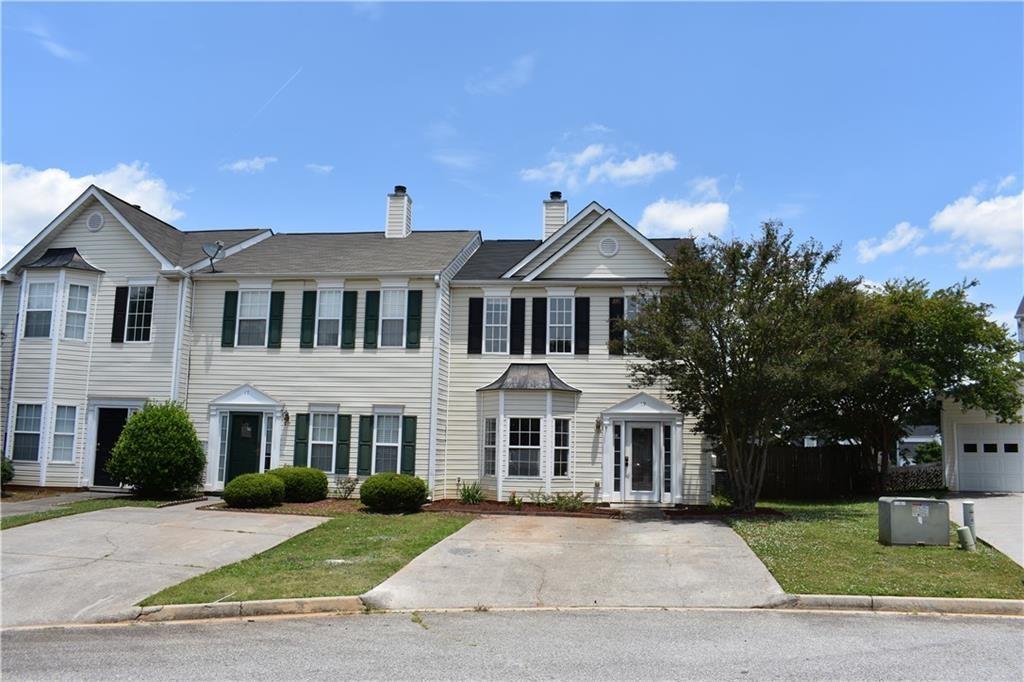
point(991, 457)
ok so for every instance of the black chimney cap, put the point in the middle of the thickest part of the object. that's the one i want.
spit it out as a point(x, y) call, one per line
point(399, 189)
point(555, 196)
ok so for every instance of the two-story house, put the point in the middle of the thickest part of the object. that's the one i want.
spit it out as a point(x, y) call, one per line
point(426, 352)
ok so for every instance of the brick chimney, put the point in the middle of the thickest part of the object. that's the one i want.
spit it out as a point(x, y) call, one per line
point(399, 218)
point(556, 213)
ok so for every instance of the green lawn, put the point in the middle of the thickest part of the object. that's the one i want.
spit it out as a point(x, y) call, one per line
point(832, 548)
point(70, 508)
point(345, 556)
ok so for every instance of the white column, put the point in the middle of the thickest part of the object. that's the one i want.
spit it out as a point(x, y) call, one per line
point(608, 460)
point(547, 451)
point(501, 445)
point(277, 441)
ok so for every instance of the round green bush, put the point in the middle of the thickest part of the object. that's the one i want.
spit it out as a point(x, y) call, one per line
point(158, 453)
point(254, 490)
point(388, 493)
point(302, 484)
point(6, 471)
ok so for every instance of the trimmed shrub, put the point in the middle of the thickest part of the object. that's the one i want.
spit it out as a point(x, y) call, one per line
point(249, 491)
point(6, 471)
point(158, 453)
point(389, 493)
point(302, 484)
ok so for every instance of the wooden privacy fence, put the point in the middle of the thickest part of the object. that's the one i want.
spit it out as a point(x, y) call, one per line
point(809, 473)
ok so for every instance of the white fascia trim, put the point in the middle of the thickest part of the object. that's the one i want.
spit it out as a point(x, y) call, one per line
point(607, 215)
point(231, 250)
point(592, 206)
point(56, 222)
point(164, 263)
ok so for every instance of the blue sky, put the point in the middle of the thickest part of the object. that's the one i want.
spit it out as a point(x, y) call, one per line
point(894, 129)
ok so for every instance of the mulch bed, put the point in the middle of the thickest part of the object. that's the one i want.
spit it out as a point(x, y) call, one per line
point(330, 507)
point(528, 509)
point(172, 503)
point(706, 511)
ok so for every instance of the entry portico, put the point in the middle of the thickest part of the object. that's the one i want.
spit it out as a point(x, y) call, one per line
point(642, 452)
point(246, 426)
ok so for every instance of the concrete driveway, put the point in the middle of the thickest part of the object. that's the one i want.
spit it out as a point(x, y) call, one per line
point(525, 561)
point(84, 567)
point(998, 518)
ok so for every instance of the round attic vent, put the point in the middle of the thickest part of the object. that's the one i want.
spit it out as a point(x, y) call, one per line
point(609, 246)
point(95, 221)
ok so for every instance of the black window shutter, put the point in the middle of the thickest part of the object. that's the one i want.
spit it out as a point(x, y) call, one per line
point(539, 340)
point(616, 311)
point(308, 326)
point(408, 445)
point(476, 326)
point(517, 326)
point(227, 328)
point(120, 314)
point(276, 319)
point(413, 318)
point(371, 318)
point(581, 326)
point(344, 436)
point(365, 445)
point(301, 440)
point(348, 319)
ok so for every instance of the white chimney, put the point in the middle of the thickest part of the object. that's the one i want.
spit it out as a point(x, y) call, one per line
point(399, 219)
point(556, 213)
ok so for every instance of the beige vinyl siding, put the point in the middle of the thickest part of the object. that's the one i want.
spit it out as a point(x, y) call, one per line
point(603, 379)
point(585, 260)
point(8, 313)
point(354, 379)
point(556, 244)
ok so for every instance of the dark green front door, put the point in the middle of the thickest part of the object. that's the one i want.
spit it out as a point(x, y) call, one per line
point(243, 445)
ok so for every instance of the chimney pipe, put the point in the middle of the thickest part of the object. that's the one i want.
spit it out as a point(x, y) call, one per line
point(398, 223)
point(556, 213)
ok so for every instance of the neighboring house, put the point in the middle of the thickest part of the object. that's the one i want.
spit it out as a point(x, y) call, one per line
point(979, 453)
point(426, 352)
point(906, 448)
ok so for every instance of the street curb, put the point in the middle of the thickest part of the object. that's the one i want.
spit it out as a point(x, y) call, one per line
point(853, 602)
point(237, 609)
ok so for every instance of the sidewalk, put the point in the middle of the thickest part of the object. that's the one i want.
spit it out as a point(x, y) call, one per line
point(999, 518)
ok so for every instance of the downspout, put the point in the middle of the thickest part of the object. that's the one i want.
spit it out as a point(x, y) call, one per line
point(435, 379)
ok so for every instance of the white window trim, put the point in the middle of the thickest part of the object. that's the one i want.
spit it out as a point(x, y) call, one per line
point(541, 419)
point(88, 305)
point(567, 448)
point(404, 318)
point(484, 446)
point(128, 308)
point(224, 420)
point(508, 325)
point(52, 309)
point(73, 433)
point(572, 326)
point(316, 327)
point(15, 432)
point(333, 417)
point(386, 412)
point(238, 316)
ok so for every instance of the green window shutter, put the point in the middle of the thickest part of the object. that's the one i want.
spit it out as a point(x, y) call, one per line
point(308, 328)
point(227, 328)
point(408, 445)
point(348, 319)
point(344, 432)
point(365, 445)
point(301, 440)
point(276, 319)
point(371, 320)
point(413, 316)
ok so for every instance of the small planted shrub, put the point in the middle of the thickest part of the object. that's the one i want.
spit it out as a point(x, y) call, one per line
point(389, 493)
point(568, 502)
point(344, 486)
point(158, 453)
point(471, 493)
point(302, 484)
point(6, 471)
point(539, 497)
point(250, 491)
point(515, 501)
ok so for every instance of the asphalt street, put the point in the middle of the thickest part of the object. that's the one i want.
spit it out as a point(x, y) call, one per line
point(526, 645)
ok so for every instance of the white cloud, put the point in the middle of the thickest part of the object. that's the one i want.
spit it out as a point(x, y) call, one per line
point(988, 233)
point(50, 43)
point(596, 129)
point(457, 160)
point(319, 168)
point(678, 218)
point(254, 165)
point(591, 152)
point(1006, 183)
point(630, 171)
point(896, 239)
point(503, 81)
point(33, 198)
point(705, 187)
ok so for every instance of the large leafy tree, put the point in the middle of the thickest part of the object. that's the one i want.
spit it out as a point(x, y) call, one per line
point(918, 347)
point(744, 337)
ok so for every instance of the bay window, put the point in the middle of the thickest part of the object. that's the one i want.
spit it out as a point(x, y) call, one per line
point(524, 446)
point(490, 445)
point(77, 312)
point(39, 309)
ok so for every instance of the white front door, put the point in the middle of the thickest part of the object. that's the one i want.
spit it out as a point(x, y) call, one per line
point(643, 463)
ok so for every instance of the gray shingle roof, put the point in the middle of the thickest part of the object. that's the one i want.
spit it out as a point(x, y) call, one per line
point(344, 253)
point(521, 376)
point(496, 256)
point(63, 258)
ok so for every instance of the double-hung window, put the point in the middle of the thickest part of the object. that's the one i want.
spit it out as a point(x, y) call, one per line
point(253, 313)
point(561, 458)
point(666, 440)
point(328, 317)
point(524, 446)
point(392, 317)
point(490, 445)
point(139, 320)
point(28, 421)
point(39, 309)
point(496, 320)
point(387, 434)
point(631, 312)
point(322, 441)
point(64, 434)
point(77, 312)
point(560, 310)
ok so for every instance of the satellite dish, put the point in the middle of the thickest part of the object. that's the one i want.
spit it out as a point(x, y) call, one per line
point(212, 251)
